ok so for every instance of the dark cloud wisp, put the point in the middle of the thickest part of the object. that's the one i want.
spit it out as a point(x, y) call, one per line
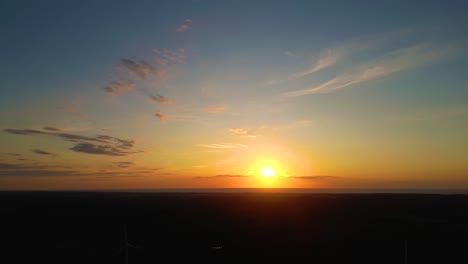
point(224, 176)
point(316, 178)
point(42, 152)
point(90, 148)
point(25, 170)
point(159, 99)
point(51, 128)
point(141, 69)
point(114, 87)
point(125, 164)
point(161, 116)
point(100, 144)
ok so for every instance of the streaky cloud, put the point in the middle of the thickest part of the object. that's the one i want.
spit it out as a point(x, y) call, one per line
point(238, 130)
point(25, 170)
point(183, 28)
point(30, 132)
point(13, 154)
point(160, 99)
point(161, 116)
point(291, 54)
point(167, 57)
point(314, 178)
point(125, 164)
point(115, 87)
point(38, 173)
point(213, 109)
point(186, 26)
point(223, 146)
point(42, 152)
point(11, 166)
point(90, 148)
point(141, 69)
point(327, 59)
point(337, 54)
point(393, 62)
point(52, 129)
point(75, 138)
point(224, 176)
point(100, 144)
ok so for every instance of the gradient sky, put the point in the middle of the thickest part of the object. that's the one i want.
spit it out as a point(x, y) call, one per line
point(200, 94)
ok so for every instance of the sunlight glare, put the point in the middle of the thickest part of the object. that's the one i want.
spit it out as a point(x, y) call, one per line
point(267, 171)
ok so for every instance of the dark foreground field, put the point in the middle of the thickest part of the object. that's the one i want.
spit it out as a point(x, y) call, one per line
point(57, 227)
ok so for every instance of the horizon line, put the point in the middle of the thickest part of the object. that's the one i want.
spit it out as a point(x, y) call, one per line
point(262, 190)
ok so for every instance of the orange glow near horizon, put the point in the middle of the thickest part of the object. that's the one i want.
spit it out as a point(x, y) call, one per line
point(267, 168)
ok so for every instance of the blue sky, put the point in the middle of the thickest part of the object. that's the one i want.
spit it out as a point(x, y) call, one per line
point(366, 91)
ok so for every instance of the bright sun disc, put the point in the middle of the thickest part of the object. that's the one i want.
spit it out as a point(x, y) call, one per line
point(267, 171)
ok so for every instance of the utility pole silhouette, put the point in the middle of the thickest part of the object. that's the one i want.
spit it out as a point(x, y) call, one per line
point(127, 245)
point(406, 251)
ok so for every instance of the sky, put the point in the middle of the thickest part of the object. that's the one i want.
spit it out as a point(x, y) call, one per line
point(207, 94)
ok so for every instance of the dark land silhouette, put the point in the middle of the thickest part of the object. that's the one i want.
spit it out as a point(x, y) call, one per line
point(88, 227)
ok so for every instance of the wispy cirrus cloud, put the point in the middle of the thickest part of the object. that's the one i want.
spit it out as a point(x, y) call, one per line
point(141, 69)
point(343, 51)
point(167, 57)
point(328, 58)
point(159, 99)
point(187, 25)
point(392, 62)
point(161, 116)
point(115, 87)
point(300, 123)
point(245, 132)
point(238, 130)
point(132, 71)
point(254, 132)
point(223, 146)
point(291, 54)
point(213, 109)
point(183, 27)
point(387, 43)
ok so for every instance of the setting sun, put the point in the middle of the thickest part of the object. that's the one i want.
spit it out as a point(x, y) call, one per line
point(234, 130)
point(267, 171)
point(184, 105)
